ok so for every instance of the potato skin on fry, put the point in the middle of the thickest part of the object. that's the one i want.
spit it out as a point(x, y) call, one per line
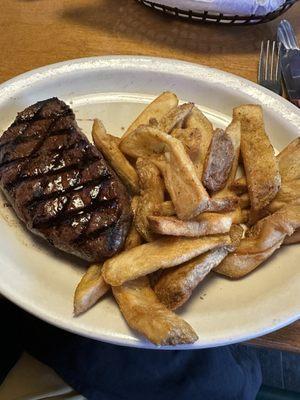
point(218, 162)
point(144, 313)
point(162, 253)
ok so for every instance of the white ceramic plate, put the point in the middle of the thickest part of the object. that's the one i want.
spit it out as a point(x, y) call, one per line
point(115, 89)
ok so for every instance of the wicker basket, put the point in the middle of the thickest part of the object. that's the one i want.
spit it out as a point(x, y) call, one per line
point(216, 18)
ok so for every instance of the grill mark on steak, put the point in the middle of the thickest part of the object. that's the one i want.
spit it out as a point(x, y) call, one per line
point(87, 195)
point(75, 185)
point(68, 216)
point(51, 169)
point(60, 185)
point(39, 143)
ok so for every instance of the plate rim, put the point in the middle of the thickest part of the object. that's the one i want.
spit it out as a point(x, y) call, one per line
point(277, 104)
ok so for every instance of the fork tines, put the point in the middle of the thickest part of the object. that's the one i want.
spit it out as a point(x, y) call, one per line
point(269, 74)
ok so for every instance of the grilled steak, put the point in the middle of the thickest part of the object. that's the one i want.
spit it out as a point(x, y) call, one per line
point(60, 185)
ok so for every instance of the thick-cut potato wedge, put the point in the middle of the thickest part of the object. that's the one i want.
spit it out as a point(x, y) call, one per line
point(289, 161)
point(261, 166)
point(191, 139)
point(196, 119)
point(157, 109)
point(90, 289)
point(152, 193)
point(186, 191)
point(133, 238)
point(261, 241)
point(174, 117)
point(144, 313)
point(176, 285)
point(206, 224)
point(162, 253)
point(237, 267)
point(214, 205)
point(218, 162)
point(289, 167)
point(109, 147)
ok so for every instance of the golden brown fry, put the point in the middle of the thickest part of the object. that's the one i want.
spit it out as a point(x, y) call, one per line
point(261, 167)
point(191, 139)
point(205, 224)
point(289, 192)
point(176, 285)
point(186, 191)
point(218, 162)
point(289, 161)
point(90, 289)
point(174, 117)
point(261, 241)
point(162, 253)
point(214, 205)
point(152, 193)
point(289, 166)
point(144, 313)
point(109, 147)
point(133, 238)
point(157, 109)
point(196, 119)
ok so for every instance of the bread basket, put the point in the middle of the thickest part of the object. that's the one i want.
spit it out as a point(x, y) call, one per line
point(217, 18)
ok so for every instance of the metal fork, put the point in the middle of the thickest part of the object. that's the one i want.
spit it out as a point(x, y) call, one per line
point(286, 35)
point(269, 71)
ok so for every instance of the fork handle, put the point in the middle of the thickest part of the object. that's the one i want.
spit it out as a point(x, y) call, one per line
point(296, 102)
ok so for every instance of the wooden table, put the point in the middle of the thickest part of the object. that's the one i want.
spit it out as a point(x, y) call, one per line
point(39, 32)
